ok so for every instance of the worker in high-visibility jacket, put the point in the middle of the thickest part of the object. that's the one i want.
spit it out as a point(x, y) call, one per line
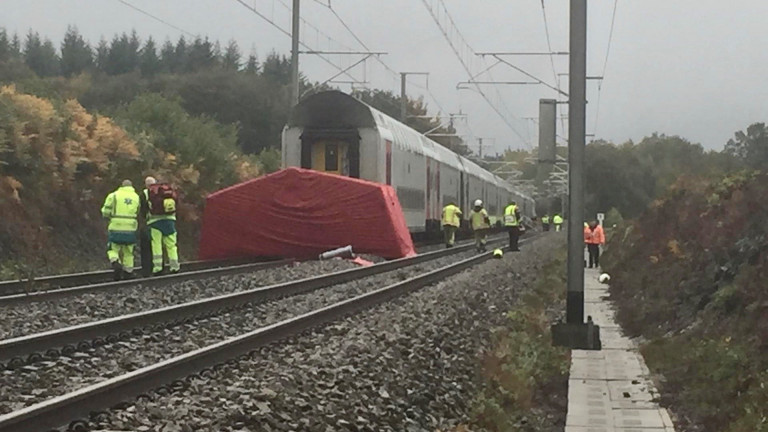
point(557, 220)
point(481, 223)
point(161, 225)
point(594, 237)
point(545, 222)
point(512, 225)
point(451, 221)
point(121, 208)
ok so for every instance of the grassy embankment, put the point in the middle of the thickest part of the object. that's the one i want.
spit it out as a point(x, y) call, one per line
point(689, 278)
point(524, 379)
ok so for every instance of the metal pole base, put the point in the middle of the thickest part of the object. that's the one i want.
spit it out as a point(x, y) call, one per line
point(583, 336)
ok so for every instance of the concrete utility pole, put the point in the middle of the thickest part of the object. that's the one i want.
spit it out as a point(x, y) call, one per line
point(403, 100)
point(295, 54)
point(404, 96)
point(547, 142)
point(575, 333)
point(576, 140)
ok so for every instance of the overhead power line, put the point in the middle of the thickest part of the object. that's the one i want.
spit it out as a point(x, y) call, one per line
point(287, 33)
point(157, 18)
point(549, 44)
point(389, 69)
point(464, 52)
point(605, 66)
point(315, 28)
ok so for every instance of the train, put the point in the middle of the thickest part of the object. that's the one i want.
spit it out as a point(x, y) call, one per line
point(334, 132)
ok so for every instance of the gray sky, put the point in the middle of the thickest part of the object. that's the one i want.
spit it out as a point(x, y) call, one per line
point(695, 68)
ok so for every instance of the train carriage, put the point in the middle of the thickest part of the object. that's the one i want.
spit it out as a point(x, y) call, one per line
point(334, 132)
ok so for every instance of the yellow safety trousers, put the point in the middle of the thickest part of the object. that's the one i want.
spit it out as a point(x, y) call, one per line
point(122, 253)
point(159, 241)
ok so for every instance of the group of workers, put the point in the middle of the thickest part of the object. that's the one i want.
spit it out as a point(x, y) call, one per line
point(480, 223)
point(156, 208)
point(557, 221)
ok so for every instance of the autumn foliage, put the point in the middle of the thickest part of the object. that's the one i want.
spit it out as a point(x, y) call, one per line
point(689, 277)
point(58, 161)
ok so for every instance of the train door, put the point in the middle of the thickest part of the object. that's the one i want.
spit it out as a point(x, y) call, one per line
point(429, 203)
point(335, 151)
point(330, 156)
point(461, 191)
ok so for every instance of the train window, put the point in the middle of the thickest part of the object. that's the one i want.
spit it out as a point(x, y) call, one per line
point(409, 168)
point(410, 198)
point(331, 157)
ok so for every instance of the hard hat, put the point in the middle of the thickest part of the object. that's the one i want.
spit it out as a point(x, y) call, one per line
point(478, 203)
point(604, 278)
point(498, 253)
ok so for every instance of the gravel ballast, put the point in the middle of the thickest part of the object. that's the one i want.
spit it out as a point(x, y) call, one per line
point(23, 319)
point(40, 381)
point(408, 365)
point(34, 317)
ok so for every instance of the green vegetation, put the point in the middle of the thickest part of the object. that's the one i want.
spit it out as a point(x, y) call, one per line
point(78, 118)
point(523, 374)
point(689, 277)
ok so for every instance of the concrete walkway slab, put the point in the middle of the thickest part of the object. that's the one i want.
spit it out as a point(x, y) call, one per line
point(610, 390)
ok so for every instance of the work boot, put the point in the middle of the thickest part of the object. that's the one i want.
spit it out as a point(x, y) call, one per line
point(173, 272)
point(129, 275)
point(118, 270)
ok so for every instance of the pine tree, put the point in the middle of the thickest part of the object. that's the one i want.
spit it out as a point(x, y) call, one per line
point(102, 55)
point(76, 54)
point(181, 56)
point(167, 56)
point(231, 58)
point(252, 65)
point(40, 55)
point(201, 55)
point(149, 63)
point(123, 54)
point(277, 68)
point(5, 46)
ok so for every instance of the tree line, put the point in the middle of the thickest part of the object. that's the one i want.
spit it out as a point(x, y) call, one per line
point(207, 79)
point(126, 53)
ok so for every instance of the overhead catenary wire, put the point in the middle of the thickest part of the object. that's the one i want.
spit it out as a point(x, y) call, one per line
point(468, 52)
point(389, 69)
point(551, 55)
point(287, 33)
point(605, 66)
point(158, 19)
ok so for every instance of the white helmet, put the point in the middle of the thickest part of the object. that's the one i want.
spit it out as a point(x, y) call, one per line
point(478, 203)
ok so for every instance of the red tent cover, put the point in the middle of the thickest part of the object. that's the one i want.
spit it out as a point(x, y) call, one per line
point(301, 213)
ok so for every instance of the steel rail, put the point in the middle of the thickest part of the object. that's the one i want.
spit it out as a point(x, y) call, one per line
point(158, 280)
point(12, 290)
point(79, 404)
point(34, 344)
point(16, 286)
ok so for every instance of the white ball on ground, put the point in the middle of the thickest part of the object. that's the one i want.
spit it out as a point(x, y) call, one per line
point(604, 278)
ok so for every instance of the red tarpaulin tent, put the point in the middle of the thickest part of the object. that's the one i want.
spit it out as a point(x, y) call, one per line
point(301, 213)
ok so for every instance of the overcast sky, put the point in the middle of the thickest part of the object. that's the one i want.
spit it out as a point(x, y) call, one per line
point(694, 68)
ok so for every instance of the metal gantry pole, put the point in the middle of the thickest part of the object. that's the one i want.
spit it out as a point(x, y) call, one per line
point(576, 142)
point(295, 54)
point(403, 99)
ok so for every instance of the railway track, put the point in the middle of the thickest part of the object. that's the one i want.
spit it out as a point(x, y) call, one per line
point(56, 286)
point(16, 352)
point(59, 410)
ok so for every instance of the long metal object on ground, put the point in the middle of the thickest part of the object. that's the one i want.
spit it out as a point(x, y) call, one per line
point(23, 346)
point(78, 404)
point(576, 142)
point(158, 280)
point(8, 287)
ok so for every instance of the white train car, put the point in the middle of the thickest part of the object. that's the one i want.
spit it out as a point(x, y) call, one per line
point(334, 132)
